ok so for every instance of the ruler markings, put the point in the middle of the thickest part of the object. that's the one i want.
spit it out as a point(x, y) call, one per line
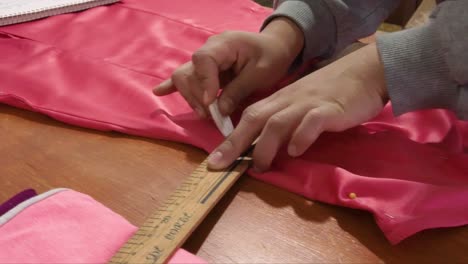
point(177, 217)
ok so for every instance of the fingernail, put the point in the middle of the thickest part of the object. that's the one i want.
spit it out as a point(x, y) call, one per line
point(215, 158)
point(164, 83)
point(292, 150)
point(161, 85)
point(206, 97)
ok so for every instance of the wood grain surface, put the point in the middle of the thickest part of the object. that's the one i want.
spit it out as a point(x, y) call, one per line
point(254, 223)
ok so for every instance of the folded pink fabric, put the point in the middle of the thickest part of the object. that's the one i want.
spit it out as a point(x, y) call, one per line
point(64, 226)
point(97, 68)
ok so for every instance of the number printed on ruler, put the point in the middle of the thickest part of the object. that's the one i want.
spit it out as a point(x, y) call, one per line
point(171, 224)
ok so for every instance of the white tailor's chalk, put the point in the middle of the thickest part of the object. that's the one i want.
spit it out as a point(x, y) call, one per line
point(223, 123)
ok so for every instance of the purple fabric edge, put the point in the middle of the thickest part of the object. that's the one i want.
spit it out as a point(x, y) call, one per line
point(17, 199)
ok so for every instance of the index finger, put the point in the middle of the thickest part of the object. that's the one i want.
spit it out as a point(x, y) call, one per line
point(251, 124)
point(208, 62)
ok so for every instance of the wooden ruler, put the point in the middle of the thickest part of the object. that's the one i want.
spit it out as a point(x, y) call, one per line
point(168, 228)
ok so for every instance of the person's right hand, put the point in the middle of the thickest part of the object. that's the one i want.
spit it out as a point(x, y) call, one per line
point(238, 62)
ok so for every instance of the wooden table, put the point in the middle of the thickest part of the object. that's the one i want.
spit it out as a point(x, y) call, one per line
point(255, 222)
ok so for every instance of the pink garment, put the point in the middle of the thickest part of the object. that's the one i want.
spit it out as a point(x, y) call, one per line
point(68, 227)
point(97, 68)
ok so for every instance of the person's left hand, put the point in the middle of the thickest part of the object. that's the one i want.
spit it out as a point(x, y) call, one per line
point(342, 95)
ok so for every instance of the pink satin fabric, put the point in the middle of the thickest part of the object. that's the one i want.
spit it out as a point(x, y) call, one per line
point(97, 68)
point(68, 227)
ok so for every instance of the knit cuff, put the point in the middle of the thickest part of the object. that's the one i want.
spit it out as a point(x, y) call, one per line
point(416, 73)
point(316, 23)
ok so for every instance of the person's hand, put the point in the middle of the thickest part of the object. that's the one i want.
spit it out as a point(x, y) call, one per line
point(342, 95)
point(241, 62)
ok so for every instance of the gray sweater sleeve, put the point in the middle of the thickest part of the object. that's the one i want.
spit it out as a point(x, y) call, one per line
point(331, 25)
point(427, 67)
